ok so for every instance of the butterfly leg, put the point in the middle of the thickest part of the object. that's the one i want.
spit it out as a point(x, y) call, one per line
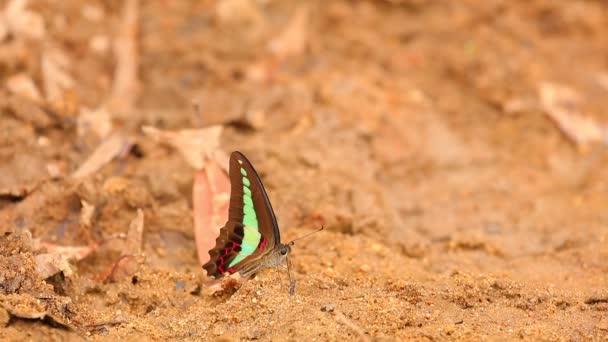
point(292, 281)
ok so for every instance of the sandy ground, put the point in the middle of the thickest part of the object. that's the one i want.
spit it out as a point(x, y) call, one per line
point(455, 206)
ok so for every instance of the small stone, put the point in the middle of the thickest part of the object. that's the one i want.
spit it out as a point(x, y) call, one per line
point(180, 285)
point(376, 247)
point(365, 268)
point(328, 307)
point(254, 300)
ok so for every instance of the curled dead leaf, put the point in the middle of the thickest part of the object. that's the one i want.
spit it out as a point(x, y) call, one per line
point(210, 202)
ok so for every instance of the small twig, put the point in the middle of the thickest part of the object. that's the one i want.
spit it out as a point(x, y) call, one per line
point(102, 323)
point(198, 116)
point(341, 318)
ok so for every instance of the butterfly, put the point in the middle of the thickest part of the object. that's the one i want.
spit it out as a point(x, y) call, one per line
point(250, 240)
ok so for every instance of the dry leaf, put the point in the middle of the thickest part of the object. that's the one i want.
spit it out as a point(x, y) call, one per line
point(131, 257)
point(226, 283)
point(292, 41)
point(111, 147)
point(98, 121)
point(196, 145)
point(86, 214)
point(125, 85)
point(562, 104)
point(135, 235)
point(210, 202)
point(211, 189)
point(57, 258)
point(71, 253)
point(21, 22)
point(50, 264)
point(23, 85)
point(55, 65)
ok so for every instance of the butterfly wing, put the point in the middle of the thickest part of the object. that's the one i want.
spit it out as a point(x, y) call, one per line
point(252, 230)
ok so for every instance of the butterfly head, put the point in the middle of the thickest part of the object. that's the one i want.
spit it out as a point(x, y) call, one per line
point(285, 249)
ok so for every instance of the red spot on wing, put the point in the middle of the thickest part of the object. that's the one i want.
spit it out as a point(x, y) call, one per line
point(262, 244)
point(221, 269)
point(231, 270)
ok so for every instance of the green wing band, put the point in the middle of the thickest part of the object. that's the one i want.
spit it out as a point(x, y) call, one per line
point(248, 245)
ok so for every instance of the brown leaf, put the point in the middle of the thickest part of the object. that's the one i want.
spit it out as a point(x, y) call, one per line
point(57, 258)
point(135, 235)
point(211, 188)
point(131, 257)
point(125, 84)
point(86, 213)
point(210, 202)
point(105, 152)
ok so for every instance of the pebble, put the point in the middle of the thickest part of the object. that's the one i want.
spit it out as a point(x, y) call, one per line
point(328, 307)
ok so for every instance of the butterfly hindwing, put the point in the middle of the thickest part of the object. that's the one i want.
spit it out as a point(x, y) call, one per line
point(252, 229)
point(227, 246)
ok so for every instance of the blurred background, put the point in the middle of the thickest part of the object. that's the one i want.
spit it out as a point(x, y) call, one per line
point(454, 151)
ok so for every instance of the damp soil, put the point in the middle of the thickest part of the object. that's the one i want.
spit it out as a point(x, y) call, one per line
point(454, 208)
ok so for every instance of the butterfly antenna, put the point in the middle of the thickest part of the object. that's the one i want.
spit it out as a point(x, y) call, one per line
point(292, 242)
